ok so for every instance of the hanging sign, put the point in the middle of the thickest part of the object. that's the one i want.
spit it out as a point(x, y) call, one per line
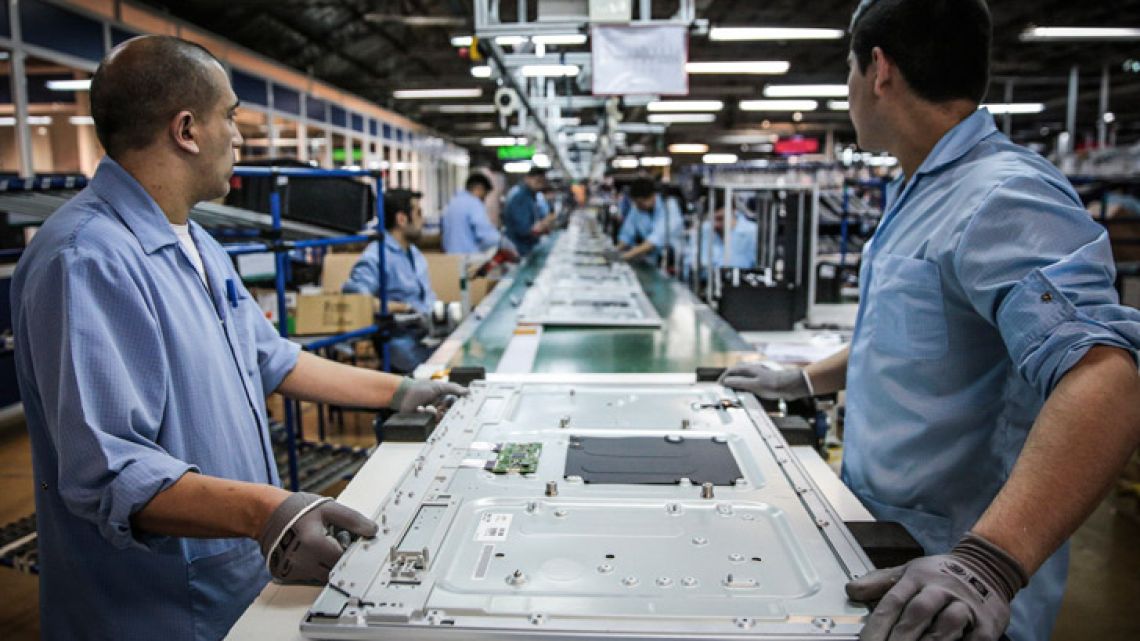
point(638, 60)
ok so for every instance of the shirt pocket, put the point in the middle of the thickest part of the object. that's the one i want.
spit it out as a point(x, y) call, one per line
point(909, 319)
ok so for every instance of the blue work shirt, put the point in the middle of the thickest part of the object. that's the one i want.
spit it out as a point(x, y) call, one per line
point(984, 283)
point(519, 216)
point(133, 373)
point(743, 236)
point(407, 269)
point(466, 228)
point(662, 226)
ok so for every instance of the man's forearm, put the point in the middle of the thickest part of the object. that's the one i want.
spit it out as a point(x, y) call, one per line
point(639, 251)
point(1086, 431)
point(830, 374)
point(203, 506)
point(323, 381)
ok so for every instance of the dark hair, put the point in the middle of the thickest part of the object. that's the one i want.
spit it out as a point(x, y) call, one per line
point(398, 201)
point(477, 180)
point(537, 172)
point(942, 47)
point(143, 83)
point(642, 188)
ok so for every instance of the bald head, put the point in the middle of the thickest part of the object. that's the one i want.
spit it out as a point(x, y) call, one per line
point(145, 82)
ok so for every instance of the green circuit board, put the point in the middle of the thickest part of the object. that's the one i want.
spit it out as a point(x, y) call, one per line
point(521, 458)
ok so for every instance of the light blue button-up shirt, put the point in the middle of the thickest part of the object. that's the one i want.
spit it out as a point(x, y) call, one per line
point(744, 238)
point(407, 269)
point(984, 283)
point(662, 226)
point(133, 373)
point(466, 228)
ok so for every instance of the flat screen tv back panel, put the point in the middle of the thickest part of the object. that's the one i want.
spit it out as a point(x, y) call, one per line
point(636, 511)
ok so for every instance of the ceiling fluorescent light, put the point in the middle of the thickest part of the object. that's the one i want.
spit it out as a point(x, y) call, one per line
point(626, 163)
point(681, 118)
point(838, 105)
point(719, 159)
point(656, 161)
point(461, 109)
point(413, 94)
point(569, 121)
point(541, 160)
point(69, 85)
point(688, 148)
point(519, 167)
point(805, 91)
point(81, 120)
point(778, 105)
point(10, 121)
point(462, 41)
point(772, 67)
point(560, 39)
point(549, 71)
point(510, 41)
point(481, 71)
point(585, 136)
point(723, 34)
point(1015, 108)
point(1053, 34)
point(502, 141)
point(685, 105)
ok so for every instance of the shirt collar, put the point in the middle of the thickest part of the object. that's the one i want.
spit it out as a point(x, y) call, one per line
point(959, 140)
point(133, 205)
point(392, 244)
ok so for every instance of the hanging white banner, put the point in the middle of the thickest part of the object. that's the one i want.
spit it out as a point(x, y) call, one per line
point(633, 60)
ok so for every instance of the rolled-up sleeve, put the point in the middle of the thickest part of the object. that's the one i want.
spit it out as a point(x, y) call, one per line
point(1037, 267)
point(365, 275)
point(102, 378)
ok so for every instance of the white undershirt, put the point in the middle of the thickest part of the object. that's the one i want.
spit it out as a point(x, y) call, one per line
point(183, 233)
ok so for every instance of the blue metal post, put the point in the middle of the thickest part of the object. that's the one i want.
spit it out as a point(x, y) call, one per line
point(843, 227)
point(282, 263)
point(381, 237)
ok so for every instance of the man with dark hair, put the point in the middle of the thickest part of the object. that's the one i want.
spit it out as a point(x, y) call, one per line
point(409, 283)
point(991, 380)
point(650, 225)
point(524, 223)
point(466, 228)
point(143, 366)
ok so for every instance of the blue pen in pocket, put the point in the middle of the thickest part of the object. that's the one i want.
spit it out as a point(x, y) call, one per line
point(231, 292)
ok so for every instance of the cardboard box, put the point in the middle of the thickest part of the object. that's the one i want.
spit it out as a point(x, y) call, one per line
point(332, 313)
point(335, 271)
point(446, 271)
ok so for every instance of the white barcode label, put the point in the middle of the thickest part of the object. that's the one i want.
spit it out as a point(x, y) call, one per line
point(493, 527)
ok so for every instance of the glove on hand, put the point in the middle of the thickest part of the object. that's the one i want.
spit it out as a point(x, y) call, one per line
point(296, 540)
point(771, 384)
point(612, 255)
point(961, 595)
point(413, 395)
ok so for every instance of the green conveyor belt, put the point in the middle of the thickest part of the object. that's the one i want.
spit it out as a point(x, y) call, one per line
point(692, 335)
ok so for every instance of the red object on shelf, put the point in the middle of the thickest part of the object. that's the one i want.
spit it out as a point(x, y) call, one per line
point(797, 145)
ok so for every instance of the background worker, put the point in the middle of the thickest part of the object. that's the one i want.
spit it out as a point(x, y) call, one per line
point(711, 241)
point(523, 221)
point(408, 282)
point(465, 225)
point(651, 224)
point(143, 365)
point(992, 371)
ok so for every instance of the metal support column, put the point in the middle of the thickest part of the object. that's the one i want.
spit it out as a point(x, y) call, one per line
point(1007, 119)
point(1101, 123)
point(1071, 110)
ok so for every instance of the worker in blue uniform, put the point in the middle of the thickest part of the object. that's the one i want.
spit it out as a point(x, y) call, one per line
point(991, 379)
point(465, 225)
point(408, 282)
point(743, 237)
point(143, 365)
point(523, 221)
point(651, 224)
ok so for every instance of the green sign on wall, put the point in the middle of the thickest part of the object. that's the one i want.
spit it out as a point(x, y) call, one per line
point(516, 152)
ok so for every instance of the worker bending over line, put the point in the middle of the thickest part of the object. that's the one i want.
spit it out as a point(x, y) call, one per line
point(408, 282)
point(651, 224)
point(992, 370)
point(143, 365)
point(523, 220)
point(466, 227)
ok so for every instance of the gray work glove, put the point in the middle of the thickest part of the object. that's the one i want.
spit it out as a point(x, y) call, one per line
point(961, 595)
point(416, 396)
point(305, 536)
point(771, 384)
point(612, 255)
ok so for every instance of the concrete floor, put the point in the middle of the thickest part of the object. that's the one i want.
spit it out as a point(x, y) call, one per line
point(1104, 580)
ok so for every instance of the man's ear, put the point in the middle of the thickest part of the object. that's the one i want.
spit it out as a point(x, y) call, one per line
point(184, 131)
point(882, 70)
point(402, 218)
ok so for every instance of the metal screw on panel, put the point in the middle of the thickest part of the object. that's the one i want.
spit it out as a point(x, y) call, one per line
point(823, 623)
point(700, 540)
point(689, 582)
point(605, 568)
point(551, 488)
point(664, 582)
point(559, 513)
point(736, 557)
point(629, 581)
point(516, 578)
point(706, 490)
point(564, 421)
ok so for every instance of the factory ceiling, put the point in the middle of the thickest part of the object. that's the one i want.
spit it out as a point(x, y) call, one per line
point(373, 47)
